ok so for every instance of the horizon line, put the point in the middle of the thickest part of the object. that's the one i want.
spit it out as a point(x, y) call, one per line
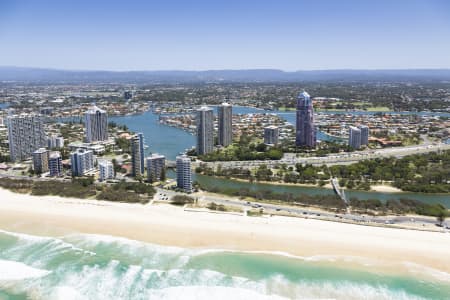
point(225, 69)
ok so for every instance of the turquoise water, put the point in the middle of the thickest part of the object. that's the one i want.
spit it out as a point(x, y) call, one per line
point(104, 267)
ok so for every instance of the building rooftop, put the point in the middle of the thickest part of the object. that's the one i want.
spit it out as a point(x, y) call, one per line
point(23, 115)
point(156, 155)
point(54, 154)
point(40, 150)
point(205, 108)
point(81, 151)
point(104, 162)
point(94, 109)
point(304, 94)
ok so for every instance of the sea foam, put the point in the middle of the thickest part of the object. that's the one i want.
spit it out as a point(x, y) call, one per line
point(14, 271)
point(209, 292)
point(128, 269)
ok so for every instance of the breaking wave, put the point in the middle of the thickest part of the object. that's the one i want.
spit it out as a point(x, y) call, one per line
point(86, 266)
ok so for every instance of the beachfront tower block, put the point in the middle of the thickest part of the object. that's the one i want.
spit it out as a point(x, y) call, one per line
point(26, 135)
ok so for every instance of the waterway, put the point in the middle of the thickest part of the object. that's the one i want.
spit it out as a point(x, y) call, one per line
point(4, 105)
point(170, 141)
point(210, 182)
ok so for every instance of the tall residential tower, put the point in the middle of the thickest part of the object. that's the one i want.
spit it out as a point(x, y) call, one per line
point(354, 137)
point(305, 129)
point(40, 160)
point(26, 135)
point(271, 134)
point(156, 167)
point(184, 179)
point(105, 170)
point(205, 130)
point(96, 122)
point(137, 155)
point(364, 135)
point(82, 162)
point(225, 112)
point(55, 163)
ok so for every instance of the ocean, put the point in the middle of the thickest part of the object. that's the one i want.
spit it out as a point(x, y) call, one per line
point(83, 266)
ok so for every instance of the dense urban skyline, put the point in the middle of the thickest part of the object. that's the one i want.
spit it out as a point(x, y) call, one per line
point(201, 35)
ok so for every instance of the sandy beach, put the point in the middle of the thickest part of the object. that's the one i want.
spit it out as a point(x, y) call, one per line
point(385, 189)
point(395, 249)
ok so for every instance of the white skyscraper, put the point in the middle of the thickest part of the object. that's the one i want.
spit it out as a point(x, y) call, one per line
point(184, 176)
point(137, 154)
point(106, 170)
point(271, 134)
point(364, 135)
point(55, 163)
point(225, 112)
point(82, 162)
point(26, 135)
point(155, 166)
point(96, 122)
point(205, 130)
point(354, 137)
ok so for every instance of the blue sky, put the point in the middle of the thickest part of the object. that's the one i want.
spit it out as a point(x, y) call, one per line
point(231, 34)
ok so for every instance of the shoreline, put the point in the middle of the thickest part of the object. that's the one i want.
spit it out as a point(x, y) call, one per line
point(390, 249)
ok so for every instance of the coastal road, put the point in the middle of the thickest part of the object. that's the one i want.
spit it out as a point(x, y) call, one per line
point(319, 214)
point(290, 159)
point(164, 194)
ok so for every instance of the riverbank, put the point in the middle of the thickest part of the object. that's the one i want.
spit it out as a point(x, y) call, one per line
point(221, 183)
point(391, 249)
point(383, 188)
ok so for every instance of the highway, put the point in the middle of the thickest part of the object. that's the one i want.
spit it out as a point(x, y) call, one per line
point(290, 159)
point(320, 214)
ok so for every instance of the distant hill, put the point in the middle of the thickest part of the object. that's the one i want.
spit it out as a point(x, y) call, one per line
point(257, 75)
